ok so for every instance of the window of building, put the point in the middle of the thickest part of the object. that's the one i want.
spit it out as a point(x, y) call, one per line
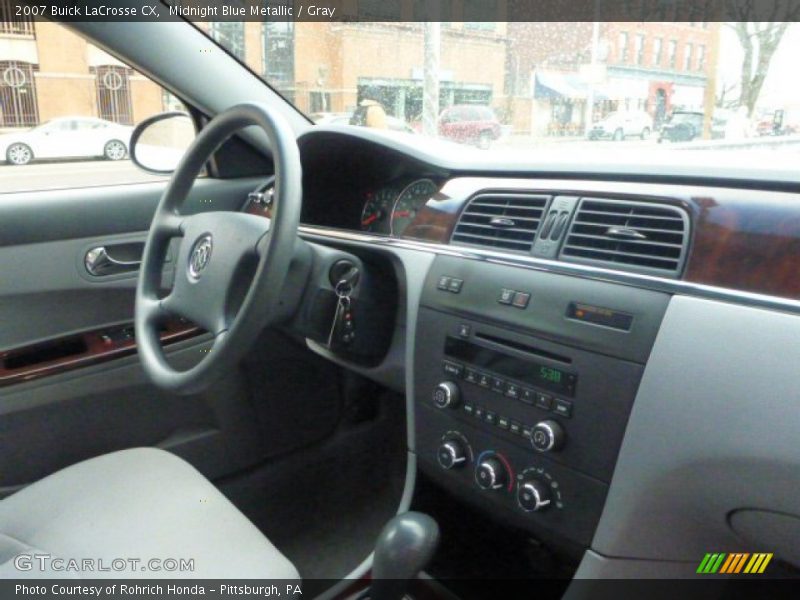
point(623, 46)
point(658, 48)
point(229, 35)
point(672, 54)
point(11, 24)
point(112, 85)
point(701, 58)
point(639, 49)
point(378, 10)
point(279, 55)
point(319, 102)
point(18, 102)
point(687, 57)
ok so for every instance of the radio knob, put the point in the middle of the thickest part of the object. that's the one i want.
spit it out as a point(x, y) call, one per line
point(446, 395)
point(491, 474)
point(533, 495)
point(547, 436)
point(451, 455)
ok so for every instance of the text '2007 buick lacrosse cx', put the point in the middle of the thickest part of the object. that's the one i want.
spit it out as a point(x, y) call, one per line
point(353, 303)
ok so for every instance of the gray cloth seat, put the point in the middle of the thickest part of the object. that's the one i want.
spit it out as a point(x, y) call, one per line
point(135, 504)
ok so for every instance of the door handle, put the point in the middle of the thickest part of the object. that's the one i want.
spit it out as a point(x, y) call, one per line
point(98, 262)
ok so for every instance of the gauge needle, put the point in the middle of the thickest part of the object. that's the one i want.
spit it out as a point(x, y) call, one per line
point(369, 219)
point(402, 213)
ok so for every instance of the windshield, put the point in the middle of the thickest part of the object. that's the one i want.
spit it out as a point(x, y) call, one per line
point(519, 85)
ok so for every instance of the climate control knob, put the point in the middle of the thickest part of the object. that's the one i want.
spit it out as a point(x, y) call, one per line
point(446, 395)
point(451, 455)
point(533, 495)
point(491, 474)
point(547, 436)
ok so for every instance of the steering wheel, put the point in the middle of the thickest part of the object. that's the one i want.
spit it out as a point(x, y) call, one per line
point(231, 266)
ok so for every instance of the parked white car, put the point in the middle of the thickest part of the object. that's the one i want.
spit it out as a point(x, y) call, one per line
point(622, 124)
point(67, 137)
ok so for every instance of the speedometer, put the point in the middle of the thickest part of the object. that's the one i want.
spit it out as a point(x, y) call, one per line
point(409, 202)
point(377, 208)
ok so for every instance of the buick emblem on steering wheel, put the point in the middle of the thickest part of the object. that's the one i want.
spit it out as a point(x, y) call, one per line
point(200, 256)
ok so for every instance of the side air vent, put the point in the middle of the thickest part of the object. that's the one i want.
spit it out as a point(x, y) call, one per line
point(499, 220)
point(636, 236)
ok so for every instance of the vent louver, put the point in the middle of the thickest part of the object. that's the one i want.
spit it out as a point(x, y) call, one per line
point(637, 236)
point(500, 220)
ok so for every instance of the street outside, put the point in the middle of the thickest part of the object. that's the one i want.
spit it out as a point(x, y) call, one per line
point(83, 173)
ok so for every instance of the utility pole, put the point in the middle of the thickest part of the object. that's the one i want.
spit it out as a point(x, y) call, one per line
point(430, 84)
point(593, 68)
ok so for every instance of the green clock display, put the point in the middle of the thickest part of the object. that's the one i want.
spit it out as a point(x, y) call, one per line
point(551, 375)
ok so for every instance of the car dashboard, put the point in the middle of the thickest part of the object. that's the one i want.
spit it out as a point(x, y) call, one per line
point(530, 308)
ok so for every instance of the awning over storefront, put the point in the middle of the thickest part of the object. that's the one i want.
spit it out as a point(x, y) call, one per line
point(549, 85)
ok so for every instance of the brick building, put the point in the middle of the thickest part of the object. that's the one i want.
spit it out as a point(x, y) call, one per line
point(47, 71)
point(651, 66)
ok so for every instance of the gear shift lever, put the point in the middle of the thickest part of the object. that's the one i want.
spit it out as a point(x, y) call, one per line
point(404, 548)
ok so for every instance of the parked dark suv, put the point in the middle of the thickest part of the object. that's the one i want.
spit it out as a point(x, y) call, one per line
point(469, 125)
point(682, 126)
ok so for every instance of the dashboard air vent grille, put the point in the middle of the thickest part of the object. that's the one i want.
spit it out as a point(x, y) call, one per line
point(638, 236)
point(501, 220)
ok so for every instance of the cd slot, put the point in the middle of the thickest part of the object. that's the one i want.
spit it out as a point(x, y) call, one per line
point(510, 345)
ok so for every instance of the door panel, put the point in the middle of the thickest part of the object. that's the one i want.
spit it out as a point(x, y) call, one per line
point(47, 295)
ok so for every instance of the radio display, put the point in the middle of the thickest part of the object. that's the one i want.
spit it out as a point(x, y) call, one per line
point(528, 371)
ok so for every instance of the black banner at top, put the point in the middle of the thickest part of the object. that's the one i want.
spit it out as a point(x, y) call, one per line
point(403, 10)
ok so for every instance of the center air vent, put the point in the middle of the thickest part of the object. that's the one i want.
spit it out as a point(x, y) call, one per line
point(498, 220)
point(637, 236)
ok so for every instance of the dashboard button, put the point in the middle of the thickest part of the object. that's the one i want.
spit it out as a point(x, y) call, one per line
point(444, 283)
point(484, 380)
point(521, 299)
point(544, 401)
point(502, 422)
point(452, 368)
point(528, 396)
point(479, 411)
point(506, 296)
point(470, 375)
point(515, 428)
point(490, 417)
point(563, 408)
point(512, 391)
point(455, 285)
point(464, 330)
point(469, 409)
point(498, 385)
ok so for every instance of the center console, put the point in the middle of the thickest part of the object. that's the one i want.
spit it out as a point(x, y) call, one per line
point(524, 381)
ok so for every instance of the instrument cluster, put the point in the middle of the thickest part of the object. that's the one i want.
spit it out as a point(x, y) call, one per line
point(389, 210)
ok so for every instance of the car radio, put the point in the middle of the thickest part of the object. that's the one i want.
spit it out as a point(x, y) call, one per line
point(522, 409)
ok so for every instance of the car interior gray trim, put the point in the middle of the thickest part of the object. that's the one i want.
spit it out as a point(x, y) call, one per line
point(659, 284)
point(46, 215)
point(725, 379)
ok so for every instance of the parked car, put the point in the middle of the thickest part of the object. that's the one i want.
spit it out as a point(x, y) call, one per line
point(469, 124)
point(623, 124)
point(67, 137)
point(343, 118)
point(682, 126)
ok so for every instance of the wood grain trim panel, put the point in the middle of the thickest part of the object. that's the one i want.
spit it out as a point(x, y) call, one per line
point(92, 347)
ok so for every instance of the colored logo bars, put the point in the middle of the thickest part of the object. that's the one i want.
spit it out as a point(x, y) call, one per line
point(734, 563)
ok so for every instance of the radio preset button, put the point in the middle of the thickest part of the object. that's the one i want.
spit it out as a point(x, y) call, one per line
point(452, 368)
point(484, 380)
point(479, 411)
point(512, 391)
point(502, 422)
point(515, 428)
point(470, 375)
point(563, 408)
point(544, 401)
point(528, 396)
point(469, 409)
point(464, 330)
point(498, 385)
point(490, 417)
